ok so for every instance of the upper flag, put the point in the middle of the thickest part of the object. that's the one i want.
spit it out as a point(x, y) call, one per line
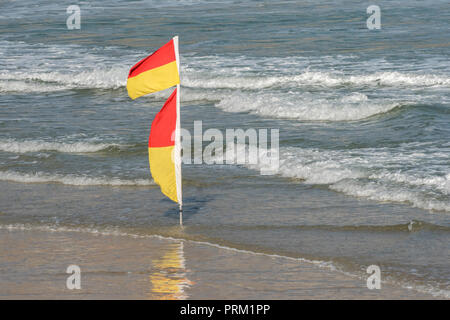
point(164, 151)
point(157, 72)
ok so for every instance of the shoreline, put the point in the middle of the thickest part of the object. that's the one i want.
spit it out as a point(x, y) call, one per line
point(34, 263)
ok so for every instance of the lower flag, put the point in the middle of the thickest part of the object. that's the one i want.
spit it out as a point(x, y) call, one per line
point(164, 149)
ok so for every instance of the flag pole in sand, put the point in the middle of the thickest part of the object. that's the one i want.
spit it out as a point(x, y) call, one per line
point(155, 73)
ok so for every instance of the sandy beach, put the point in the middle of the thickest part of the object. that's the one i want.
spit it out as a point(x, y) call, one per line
point(33, 266)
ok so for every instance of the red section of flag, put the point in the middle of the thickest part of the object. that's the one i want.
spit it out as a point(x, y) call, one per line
point(162, 132)
point(160, 57)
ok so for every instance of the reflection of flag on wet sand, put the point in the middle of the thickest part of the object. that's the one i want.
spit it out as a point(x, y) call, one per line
point(169, 279)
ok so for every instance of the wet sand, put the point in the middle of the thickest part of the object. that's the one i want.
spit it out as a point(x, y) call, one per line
point(33, 266)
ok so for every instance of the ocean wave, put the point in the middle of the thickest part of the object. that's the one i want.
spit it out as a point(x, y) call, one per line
point(99, 78)
point(441, 183)
point(68, 66)
point(13, 86)
point(312, 78)
point(292, 105)
point(109, 77)
point(10, 145)
point(363, 173)
point(375, 191)
point(69, 179)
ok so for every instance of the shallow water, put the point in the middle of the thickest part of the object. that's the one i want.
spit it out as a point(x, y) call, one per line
point(363, 116)
point(122, 266)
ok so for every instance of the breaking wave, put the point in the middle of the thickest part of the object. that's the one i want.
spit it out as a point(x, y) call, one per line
point(100, 78)
point(314, 78)
point(376, 190)
point(115, 77)
point(10, 145)
point(363, 173)
point(306, 106)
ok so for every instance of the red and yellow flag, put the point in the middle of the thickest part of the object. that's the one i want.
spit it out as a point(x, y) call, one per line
point(157, 72)
point(164, 149)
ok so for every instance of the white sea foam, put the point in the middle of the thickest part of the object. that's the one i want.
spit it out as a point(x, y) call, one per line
point(312, 78)
point(10, 145)
point(74, 66)
point(99, 78)
point(376, 190)
point(441, 183)
point(204, 74)
point(363, 173)
point(69, 179)
point(28, 87)
point(305, 106)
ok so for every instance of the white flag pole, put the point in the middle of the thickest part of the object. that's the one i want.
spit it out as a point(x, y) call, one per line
point(177, 157)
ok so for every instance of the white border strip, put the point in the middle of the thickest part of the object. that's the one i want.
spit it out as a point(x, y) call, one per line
point(177, 149)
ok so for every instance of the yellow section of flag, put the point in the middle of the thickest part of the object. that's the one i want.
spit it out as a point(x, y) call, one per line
point(153, 80)
point(156, 72)
point(163, 170)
